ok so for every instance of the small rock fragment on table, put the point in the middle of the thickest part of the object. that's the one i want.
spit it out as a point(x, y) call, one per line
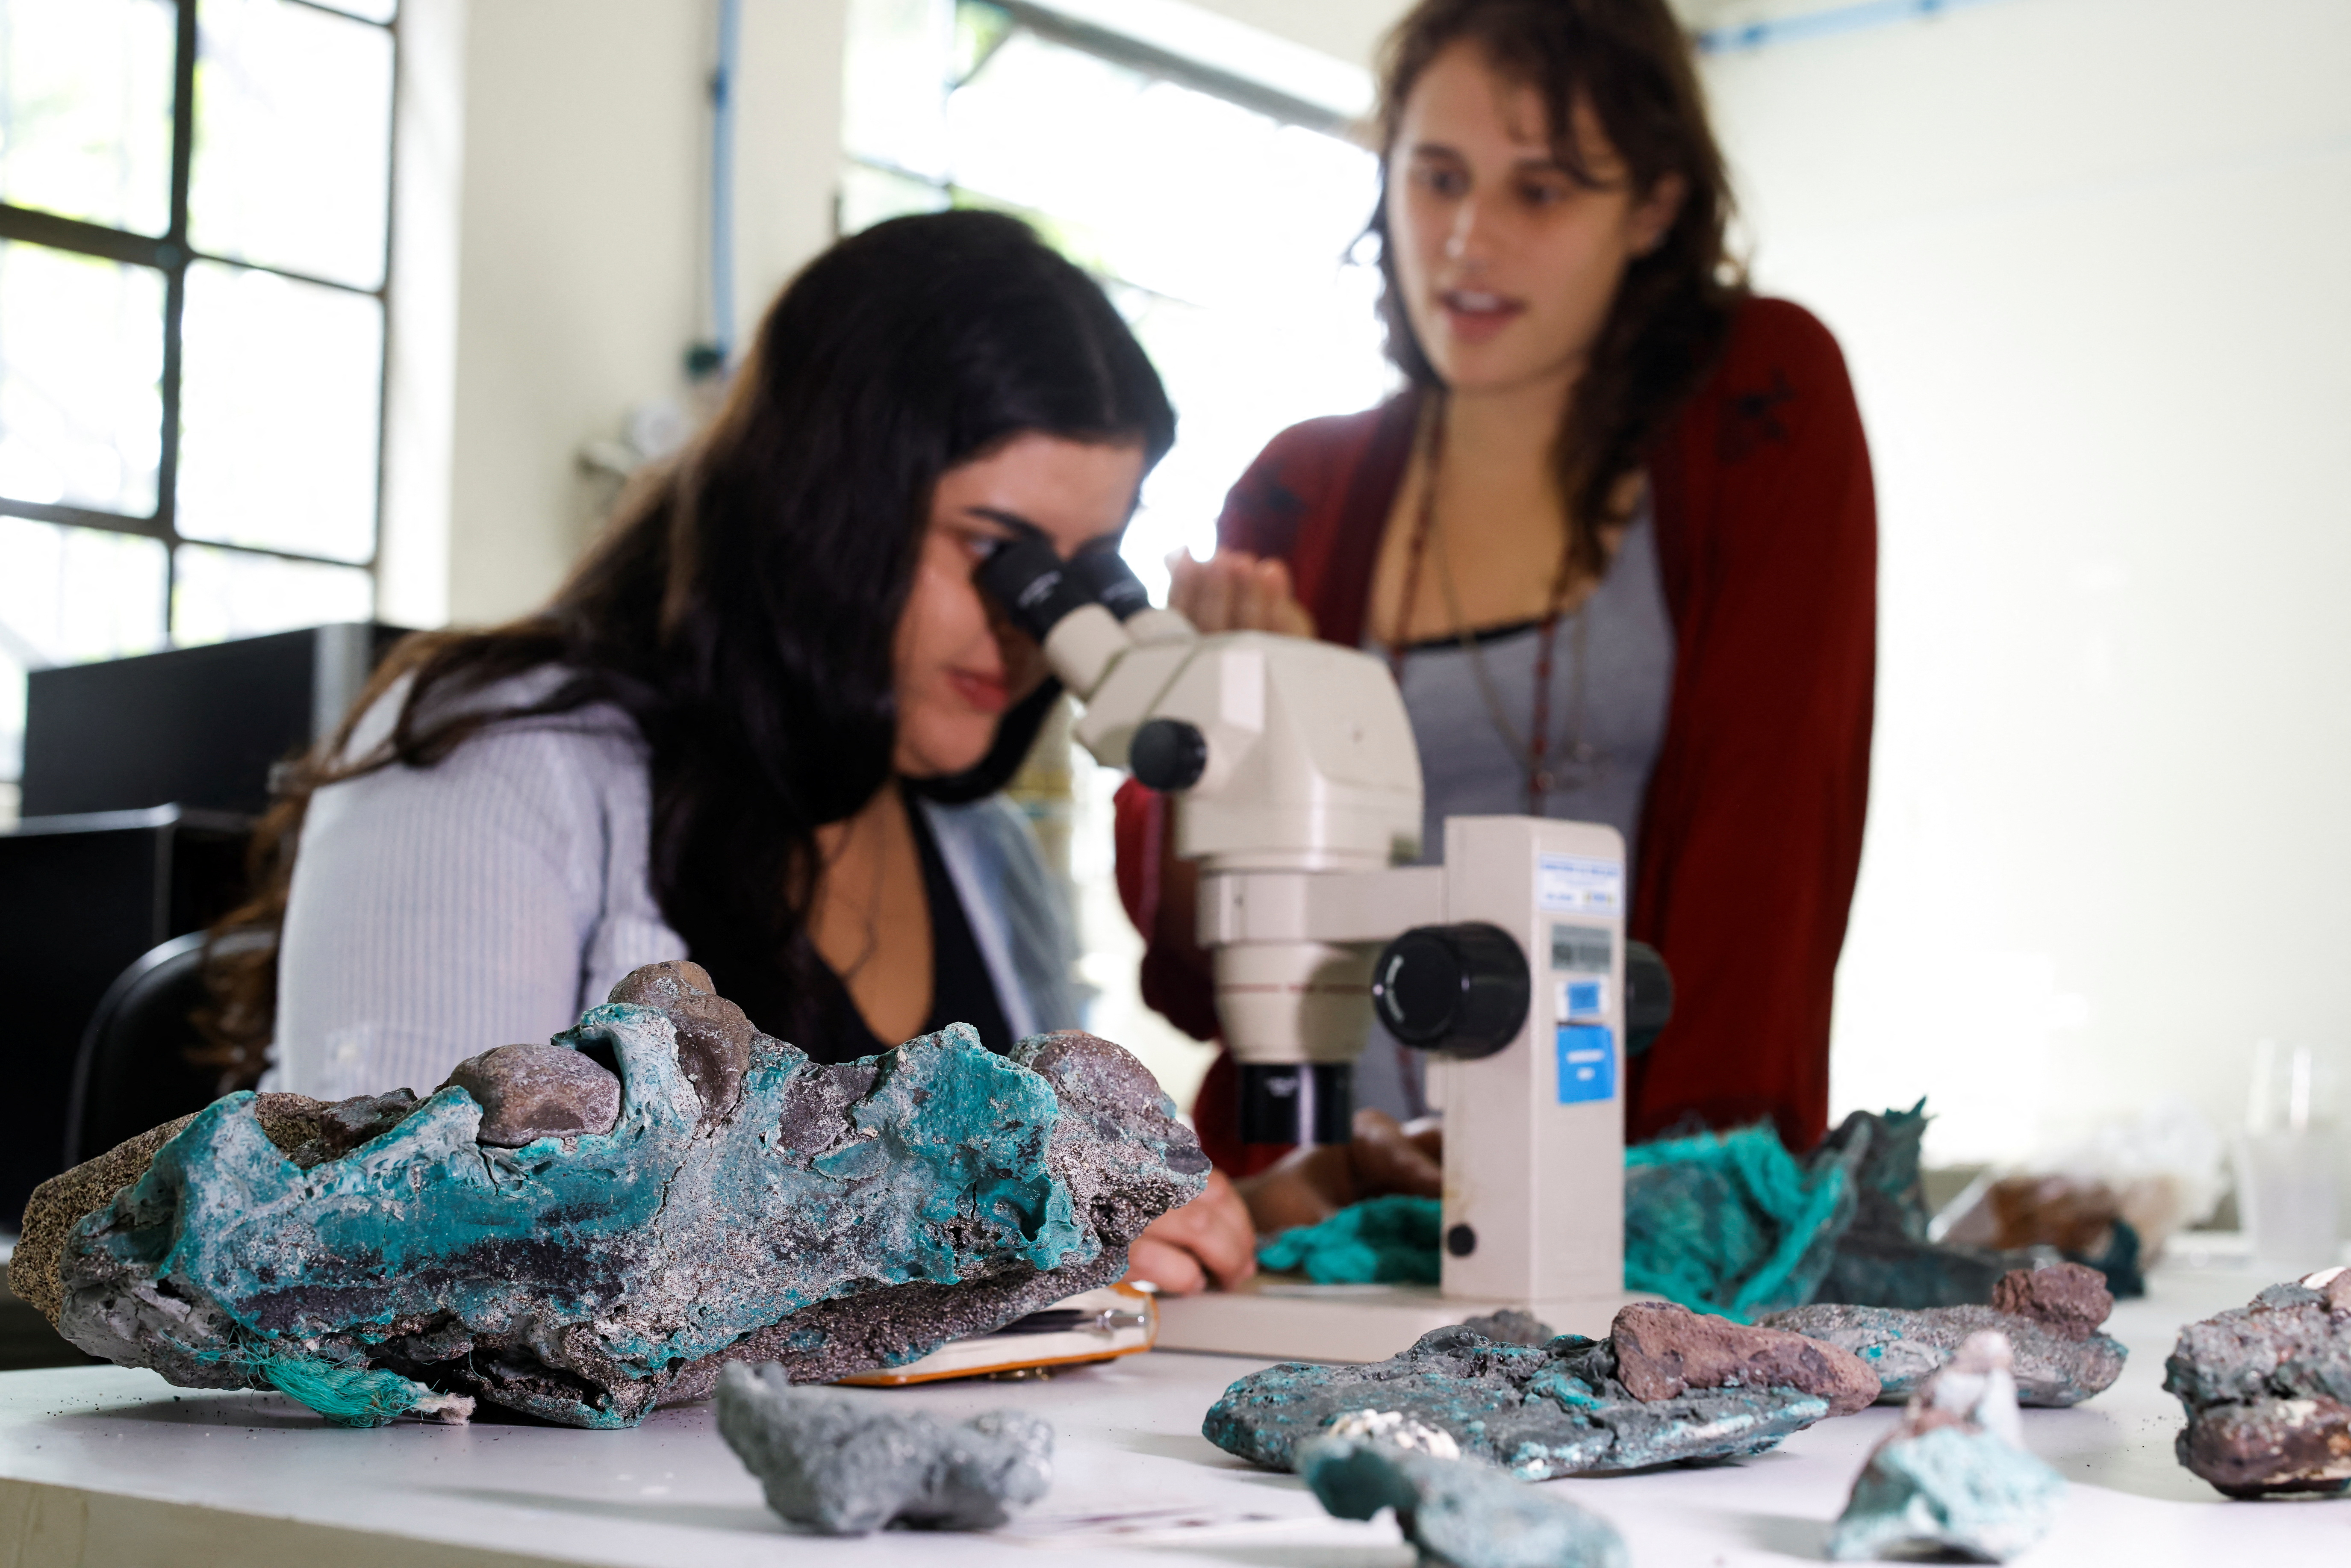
point(1458, 1513)
point(2267, 1388)
point(1561, 1407)
point(2044, 1314)
point(846, 1464)
point(1953, 1476)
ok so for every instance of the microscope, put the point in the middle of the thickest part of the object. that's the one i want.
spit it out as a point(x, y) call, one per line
point(1297, 789)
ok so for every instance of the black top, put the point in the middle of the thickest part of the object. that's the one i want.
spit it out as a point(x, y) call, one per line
point(961, 988)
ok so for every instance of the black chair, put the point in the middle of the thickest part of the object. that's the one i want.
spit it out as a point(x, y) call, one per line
point(132, 1071)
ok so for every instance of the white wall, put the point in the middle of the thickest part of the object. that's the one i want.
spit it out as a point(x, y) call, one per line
point(582, 265)
point(2088, 258)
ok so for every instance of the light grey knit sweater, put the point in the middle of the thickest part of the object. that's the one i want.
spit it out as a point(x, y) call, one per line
point(490, 900)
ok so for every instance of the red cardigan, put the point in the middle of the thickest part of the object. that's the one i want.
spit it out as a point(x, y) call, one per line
point(1750, 836)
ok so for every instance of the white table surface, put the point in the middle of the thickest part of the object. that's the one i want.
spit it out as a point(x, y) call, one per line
point(102, 1466)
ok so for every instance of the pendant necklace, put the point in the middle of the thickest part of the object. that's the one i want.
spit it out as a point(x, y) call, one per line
point(1531, 751)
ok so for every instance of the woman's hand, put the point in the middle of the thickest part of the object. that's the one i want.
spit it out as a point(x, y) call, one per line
point(1209, 1237)
point(1234, 590)
point(1313, 1184)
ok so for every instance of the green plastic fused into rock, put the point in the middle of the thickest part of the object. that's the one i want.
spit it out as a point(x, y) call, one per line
point(847, 1464)
point(2267, 1388)
point(1459, 1514)
point(1715, 1390)
point(1954, 1477)
point(834, 1219)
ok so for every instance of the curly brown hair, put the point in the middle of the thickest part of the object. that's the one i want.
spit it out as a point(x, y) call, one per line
point(1632, 63)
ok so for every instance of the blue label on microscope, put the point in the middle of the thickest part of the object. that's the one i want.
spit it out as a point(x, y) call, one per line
point(1587, 1063)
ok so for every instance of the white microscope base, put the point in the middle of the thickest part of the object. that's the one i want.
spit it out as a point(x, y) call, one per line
point(1291, 1319)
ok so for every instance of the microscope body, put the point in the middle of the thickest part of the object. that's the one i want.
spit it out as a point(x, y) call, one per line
point(1297, 791)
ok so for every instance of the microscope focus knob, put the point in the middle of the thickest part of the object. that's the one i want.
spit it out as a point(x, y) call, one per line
point(1458, 991)
point(1167, 754)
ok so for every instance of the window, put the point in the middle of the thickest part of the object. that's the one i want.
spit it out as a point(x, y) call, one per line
point(195, 227)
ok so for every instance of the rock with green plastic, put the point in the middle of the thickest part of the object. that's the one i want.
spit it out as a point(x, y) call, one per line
point(1954, 1477)
point(1459, 1514)
point(1556, 1409)
point(830, 1219)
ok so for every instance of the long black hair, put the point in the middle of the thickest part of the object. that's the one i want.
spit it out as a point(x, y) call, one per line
point(742, 605)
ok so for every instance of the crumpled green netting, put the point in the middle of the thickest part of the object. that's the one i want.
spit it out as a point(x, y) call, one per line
point(1380, 1240)
point(1731, 1222)
point(1720, 1222)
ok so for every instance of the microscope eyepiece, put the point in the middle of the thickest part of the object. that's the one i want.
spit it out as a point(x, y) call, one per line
point(1103, 572)
point(1036, 587)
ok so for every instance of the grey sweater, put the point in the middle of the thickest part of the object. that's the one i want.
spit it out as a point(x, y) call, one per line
point(436, 913)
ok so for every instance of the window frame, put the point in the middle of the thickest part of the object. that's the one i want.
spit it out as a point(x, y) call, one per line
point(172, 255)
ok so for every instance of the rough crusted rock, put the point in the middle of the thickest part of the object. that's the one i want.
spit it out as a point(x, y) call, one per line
point(2070, 1299)
point(532, 1091)
point(1538, 1412)
point(847, 1464)
point(1459, 1514)
point(2267, 1388)
point(835, 1219)
point(1953, 1477)
point(1663, 1350)
point(2054, 1364)
point(309, 1131)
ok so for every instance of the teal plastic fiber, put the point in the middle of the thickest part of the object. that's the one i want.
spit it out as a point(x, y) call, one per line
point(1380, 1240)
point(347, 1395)
point(1731, 1222)
point(1728, 1223)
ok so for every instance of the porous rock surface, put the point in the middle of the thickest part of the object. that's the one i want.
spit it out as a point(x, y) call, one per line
point(1542, 1411)
point(1511, 1326)
point(1458, 1512)
point(2049, 1316)
point(2267, 1387)
point(1663, 1350)
point(1954, 1477)
point(846, 1464)
point(830, 1219)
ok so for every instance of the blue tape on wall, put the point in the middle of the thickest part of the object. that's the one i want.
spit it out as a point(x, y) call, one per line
point(1854, 18)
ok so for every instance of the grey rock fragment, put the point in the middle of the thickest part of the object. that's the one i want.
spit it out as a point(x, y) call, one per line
point(1511, 1326)
point(1538, 1412)
point(345, 1125)
point(2267, 1388)
point(1459, 1514)
point(1954, 1475)
point(846, 1465)
point(531, 1091)
point(2059, 1360)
